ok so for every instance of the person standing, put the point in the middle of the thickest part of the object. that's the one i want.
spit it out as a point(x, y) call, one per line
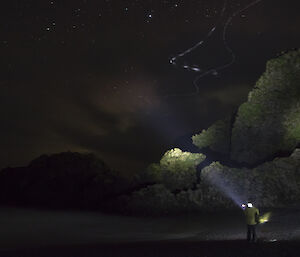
point(252, 219)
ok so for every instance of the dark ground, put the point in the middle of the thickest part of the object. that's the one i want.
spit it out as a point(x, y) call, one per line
point(230, 248)
point(33, 233)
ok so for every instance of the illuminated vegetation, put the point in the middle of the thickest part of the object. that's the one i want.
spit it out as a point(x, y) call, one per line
point(272, 184)
point(216, 137)
point(268, 123)
point(176, 169)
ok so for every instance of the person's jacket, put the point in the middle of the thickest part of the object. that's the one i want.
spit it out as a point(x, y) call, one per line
point(251, 215)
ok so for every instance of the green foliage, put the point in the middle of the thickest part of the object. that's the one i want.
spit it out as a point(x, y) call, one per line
point(217, 137)
point(272, 184)
point(269, 122)
point(204, 139)
point(151, 174)
point(175, 160)
point(176, 170)
point(251, 113)
point(152, 200)
point(292, 125)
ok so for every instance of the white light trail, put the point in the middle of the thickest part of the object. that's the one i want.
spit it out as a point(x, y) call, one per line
point(213, 71)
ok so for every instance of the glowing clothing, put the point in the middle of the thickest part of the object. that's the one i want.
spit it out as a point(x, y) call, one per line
point(250, 214)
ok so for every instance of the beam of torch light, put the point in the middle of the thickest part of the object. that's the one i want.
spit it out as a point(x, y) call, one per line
point(264, 218)
point(230, 190)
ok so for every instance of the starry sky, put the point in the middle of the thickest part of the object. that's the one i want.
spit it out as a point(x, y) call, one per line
point(95, 75)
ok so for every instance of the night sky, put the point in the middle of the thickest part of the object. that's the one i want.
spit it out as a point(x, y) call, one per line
point(95, 75)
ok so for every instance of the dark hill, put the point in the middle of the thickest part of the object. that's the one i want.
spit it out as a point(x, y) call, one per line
point(65, 180)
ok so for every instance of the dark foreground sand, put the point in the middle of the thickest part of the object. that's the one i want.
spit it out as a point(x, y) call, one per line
point(34, 233)
point(238, 248)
